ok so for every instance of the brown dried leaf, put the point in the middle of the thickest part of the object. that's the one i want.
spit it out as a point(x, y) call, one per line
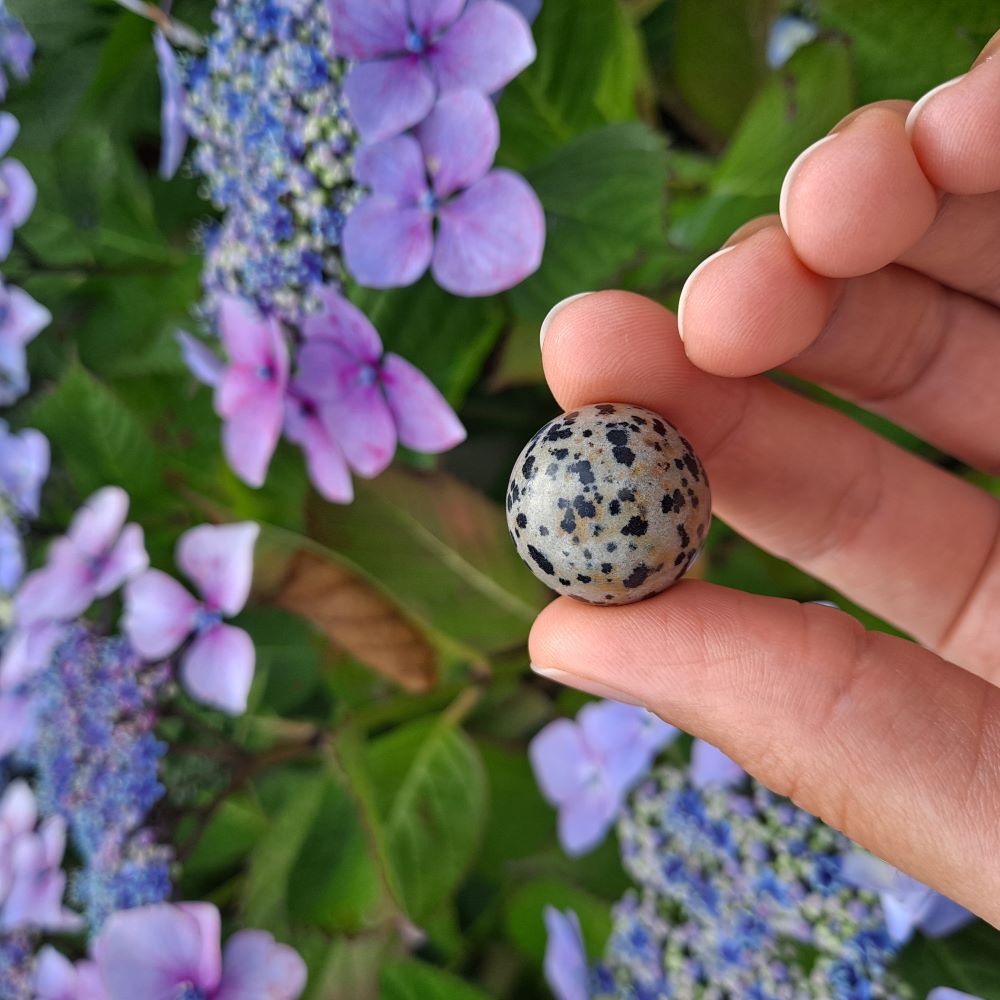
point(358, 619)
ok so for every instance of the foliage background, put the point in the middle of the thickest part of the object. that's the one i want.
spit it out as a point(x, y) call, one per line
point(380, 782)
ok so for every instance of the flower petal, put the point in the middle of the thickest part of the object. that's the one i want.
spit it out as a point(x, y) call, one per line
point(430, 17)
point(24, 466)
point(565, 958)
point(55, 975)
point(21, 191)
point(127, 559)
point(361, 423)
point(386, 246)
point(218, 669)
point(150, 951)
point(98, 523)
point(344, 323)
point(388, 97)
point(202, 361)
point(25, 317)
point(711, 767)
point(9, 128)
point(491, 237)
point(324, 458)
point(459, 140)
point(173, 131)
point(218, 559)
point(256, 967)
point(251, 339)
point(424, 420)
point(366, 30)
point(943, 916)
point(18, 809)
point(485, 49)
point(59, 591)
point(394, 168)
point(159, 614)
point(555, 755)
point(209, 969)
point(250, 435)
point(16, 715)
point(584, 822)
point(11, 555)
point(28, 650)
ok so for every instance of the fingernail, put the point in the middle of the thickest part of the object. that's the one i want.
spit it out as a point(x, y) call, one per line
point(554, 311)
point(687, 286)
point(792, 170)
point(911, 118)
point(586, 685)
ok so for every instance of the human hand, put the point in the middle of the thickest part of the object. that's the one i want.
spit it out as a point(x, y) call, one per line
point(881, 282)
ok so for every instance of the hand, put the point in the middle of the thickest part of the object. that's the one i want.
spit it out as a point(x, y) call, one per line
point(881, 282)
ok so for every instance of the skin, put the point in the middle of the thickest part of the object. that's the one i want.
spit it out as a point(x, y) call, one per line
point(882, 283)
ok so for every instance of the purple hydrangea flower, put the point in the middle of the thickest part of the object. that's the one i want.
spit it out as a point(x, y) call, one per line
point(909, 905)
point(32, 882)
point(218, 667)
point(351, 400)
point(565, 958)
point(24, 466)
point(409, 51)
point(250, 395)
point(947, 993)
point(17, 189)
point(173, 131)
point(203, 363)
point(57, 978)
point(710, 766)
point(529, 9)
point(15, 721)
point(16, 48)
point(175, 951)
point(490, 227)
point(586, 768)
point(21, 320)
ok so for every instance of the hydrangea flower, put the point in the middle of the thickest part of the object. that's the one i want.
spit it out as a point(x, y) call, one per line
point(206, 366)
point(175, 951)
point(57, 978)
point(17, 189)
point(250, 394)
point(909, 905)
point(585, 768)
point(173, 130)
point(32, 882)
point(788, 34)
point(218, 667)
point(406, 52)
point(21, 320)
point(565, 964)
point(352, 400)
point(490, 227)
point(24, 466)
point(16, 48)
point(947, 993)
point(710, 766)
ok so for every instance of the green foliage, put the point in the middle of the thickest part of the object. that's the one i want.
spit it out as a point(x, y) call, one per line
point(398, 839)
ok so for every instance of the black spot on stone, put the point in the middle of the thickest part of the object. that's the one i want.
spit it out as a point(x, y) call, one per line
point(558, 433)
point(684, 481)
point(543, 531)
point(632, 547)
point(588, 434)
point(609, 597)
point(626, 495)
point(575, 539)
point(584, 471)
point(639, 420)
point(612, 546)
point(570, 418)
point(684, 536)
point(597, 529)
point(618, 437)
point(559, 453)
point(543, 564)
point(614, 508)
point(606, 567)
point(568, 523)
point(528, 469)
point(605, 409)
point(678, 463)
point(659, 428)
point(637, 577)
point(692, 464)
point(522, 521)
point(587, 554)
point(583, 579)
point(583, 506)
point(680, 558)
point(694, 500)
point(672, 502)
point(565, 583)
point(551, 470)
point(623, 456)
point(636, 526)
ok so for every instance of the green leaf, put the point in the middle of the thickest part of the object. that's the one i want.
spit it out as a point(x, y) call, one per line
point(441, 551)
point(604, 195)
point(572, 86)
point(224, 845)
point(344, 968)
point(525, 916)
point(430, 789)
point(968, 960)
point(902, 49)
point(288, 658)
point(408, 979)
point(719, 57)
point(96, 435)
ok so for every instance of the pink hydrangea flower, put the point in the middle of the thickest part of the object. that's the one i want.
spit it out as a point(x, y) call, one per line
point(218, 666)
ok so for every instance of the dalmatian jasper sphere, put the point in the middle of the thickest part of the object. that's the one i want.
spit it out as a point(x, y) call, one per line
point(608, 504)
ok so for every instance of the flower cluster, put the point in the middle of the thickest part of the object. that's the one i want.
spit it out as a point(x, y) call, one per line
point(735, 887)
point(587, 767)
point(299, 111)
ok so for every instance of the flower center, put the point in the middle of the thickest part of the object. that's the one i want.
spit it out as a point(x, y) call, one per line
point(428, 200)
point(415, 43)
point(206, 618)
point(367, 375)
point(187, 991)
point(266, 372)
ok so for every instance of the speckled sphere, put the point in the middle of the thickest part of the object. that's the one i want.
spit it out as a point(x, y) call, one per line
point(608, 504)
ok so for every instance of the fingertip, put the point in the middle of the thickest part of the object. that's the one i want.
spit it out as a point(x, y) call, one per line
point(854, 205)
point(955, 131)
point(757, 310)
